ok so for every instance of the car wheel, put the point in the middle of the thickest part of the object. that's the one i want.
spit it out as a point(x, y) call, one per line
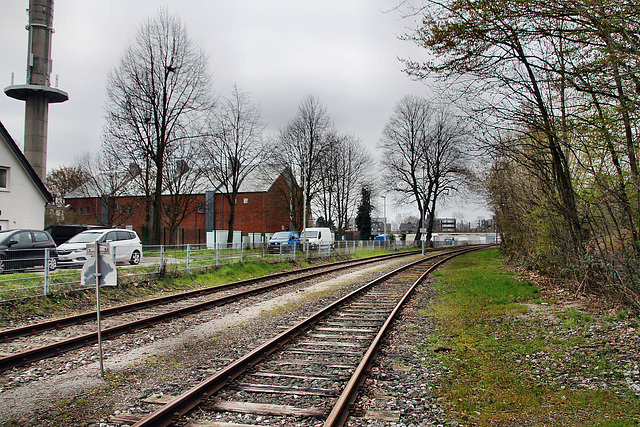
point(135, 258)
point(53, 263)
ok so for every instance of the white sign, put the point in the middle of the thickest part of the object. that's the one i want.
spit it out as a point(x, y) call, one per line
point(106, 272)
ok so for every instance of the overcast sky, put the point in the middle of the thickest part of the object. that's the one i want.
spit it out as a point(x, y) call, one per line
point(345, 52)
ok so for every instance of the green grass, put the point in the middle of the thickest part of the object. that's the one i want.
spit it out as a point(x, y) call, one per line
point(480, 320)
point(138, 288)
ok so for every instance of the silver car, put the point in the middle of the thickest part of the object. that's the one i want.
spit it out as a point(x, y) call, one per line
point(124, 243)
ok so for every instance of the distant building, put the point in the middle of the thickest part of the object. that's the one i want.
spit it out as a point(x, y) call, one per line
point(23, 195)
point(409, 227)
point(378, 226)
point(261, 207)
point(445, 225)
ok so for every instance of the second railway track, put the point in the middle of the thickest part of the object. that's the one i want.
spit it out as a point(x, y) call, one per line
point(81, 330)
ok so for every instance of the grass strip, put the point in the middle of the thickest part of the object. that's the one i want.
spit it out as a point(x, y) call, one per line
point(501, 354)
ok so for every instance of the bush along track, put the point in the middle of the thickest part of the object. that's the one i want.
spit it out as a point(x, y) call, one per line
point(527, 354)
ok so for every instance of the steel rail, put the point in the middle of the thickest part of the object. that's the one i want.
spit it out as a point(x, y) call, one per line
point(184, 403)
point(11, 334)
point(58, 348)
point(340, 412)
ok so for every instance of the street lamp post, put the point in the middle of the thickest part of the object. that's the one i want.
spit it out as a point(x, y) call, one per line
point(384, 224)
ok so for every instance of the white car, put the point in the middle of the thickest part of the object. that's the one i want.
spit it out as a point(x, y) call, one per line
point(125, 243)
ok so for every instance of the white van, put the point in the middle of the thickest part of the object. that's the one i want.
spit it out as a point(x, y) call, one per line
point(317, 236)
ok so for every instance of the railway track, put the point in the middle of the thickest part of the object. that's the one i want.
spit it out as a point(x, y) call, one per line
point(129, 318)
point(311, 372)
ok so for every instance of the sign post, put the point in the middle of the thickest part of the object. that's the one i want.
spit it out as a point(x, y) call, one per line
point(99, 270)
point(423, 237)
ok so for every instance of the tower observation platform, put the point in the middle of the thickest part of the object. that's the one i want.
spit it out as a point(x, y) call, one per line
point(37, 92)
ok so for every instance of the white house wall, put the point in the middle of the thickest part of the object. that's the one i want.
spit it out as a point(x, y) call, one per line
point(21, 204)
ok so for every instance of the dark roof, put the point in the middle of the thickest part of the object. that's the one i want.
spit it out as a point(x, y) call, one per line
point(25, 163)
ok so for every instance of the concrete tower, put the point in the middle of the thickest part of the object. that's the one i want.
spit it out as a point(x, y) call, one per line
point(37, 92)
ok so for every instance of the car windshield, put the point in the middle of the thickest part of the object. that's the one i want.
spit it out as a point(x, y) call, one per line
point(85, 237)
point(280, 236)
point(309, 235)
point(4, 236)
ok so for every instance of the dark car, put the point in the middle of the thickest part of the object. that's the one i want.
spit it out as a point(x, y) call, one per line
point(21, 249)
point(63, 232)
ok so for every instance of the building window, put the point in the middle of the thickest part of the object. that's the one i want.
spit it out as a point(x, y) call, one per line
point(80, 210)
point(86, 210)
point(4, 178)
point(246, 200)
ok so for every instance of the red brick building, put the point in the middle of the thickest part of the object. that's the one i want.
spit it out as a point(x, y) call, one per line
point(262, 206)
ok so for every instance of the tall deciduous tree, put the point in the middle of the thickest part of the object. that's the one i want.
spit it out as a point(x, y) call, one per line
point(158, 97)
point(235, 147)
point(346, 167)
point(303, 144)
point(423, 156)
point(493, 49)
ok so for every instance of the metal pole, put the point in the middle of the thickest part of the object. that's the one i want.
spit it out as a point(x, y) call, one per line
point(46, 271)
point(188, 257)
point(97, 255)
point(384, 225)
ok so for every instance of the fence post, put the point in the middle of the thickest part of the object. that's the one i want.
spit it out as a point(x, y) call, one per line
point(161, 256)
point(188, 258)
point(217, 254)
point(46, 271)
point(280, 257)
point(242, 254)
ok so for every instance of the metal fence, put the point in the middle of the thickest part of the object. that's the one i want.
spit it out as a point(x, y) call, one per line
point(29, 280)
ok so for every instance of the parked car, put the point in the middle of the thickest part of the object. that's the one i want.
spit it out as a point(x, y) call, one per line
point(63, 232)
point(21, 249)
point(125, 243)
point(287, 240)
point(317, 236)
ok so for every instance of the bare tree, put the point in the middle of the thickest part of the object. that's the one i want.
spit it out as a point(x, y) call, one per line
point(402, 146)
point(423, 156)
point(158, 97)
point(235, 147)
point(445, 163)
point(60, 182)
point(345, 168)
point(499, 50)
point(183, 182)
point(302, 145)
point(106, 181)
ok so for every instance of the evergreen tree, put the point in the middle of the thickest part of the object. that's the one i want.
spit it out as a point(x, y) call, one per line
point(363, 219)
